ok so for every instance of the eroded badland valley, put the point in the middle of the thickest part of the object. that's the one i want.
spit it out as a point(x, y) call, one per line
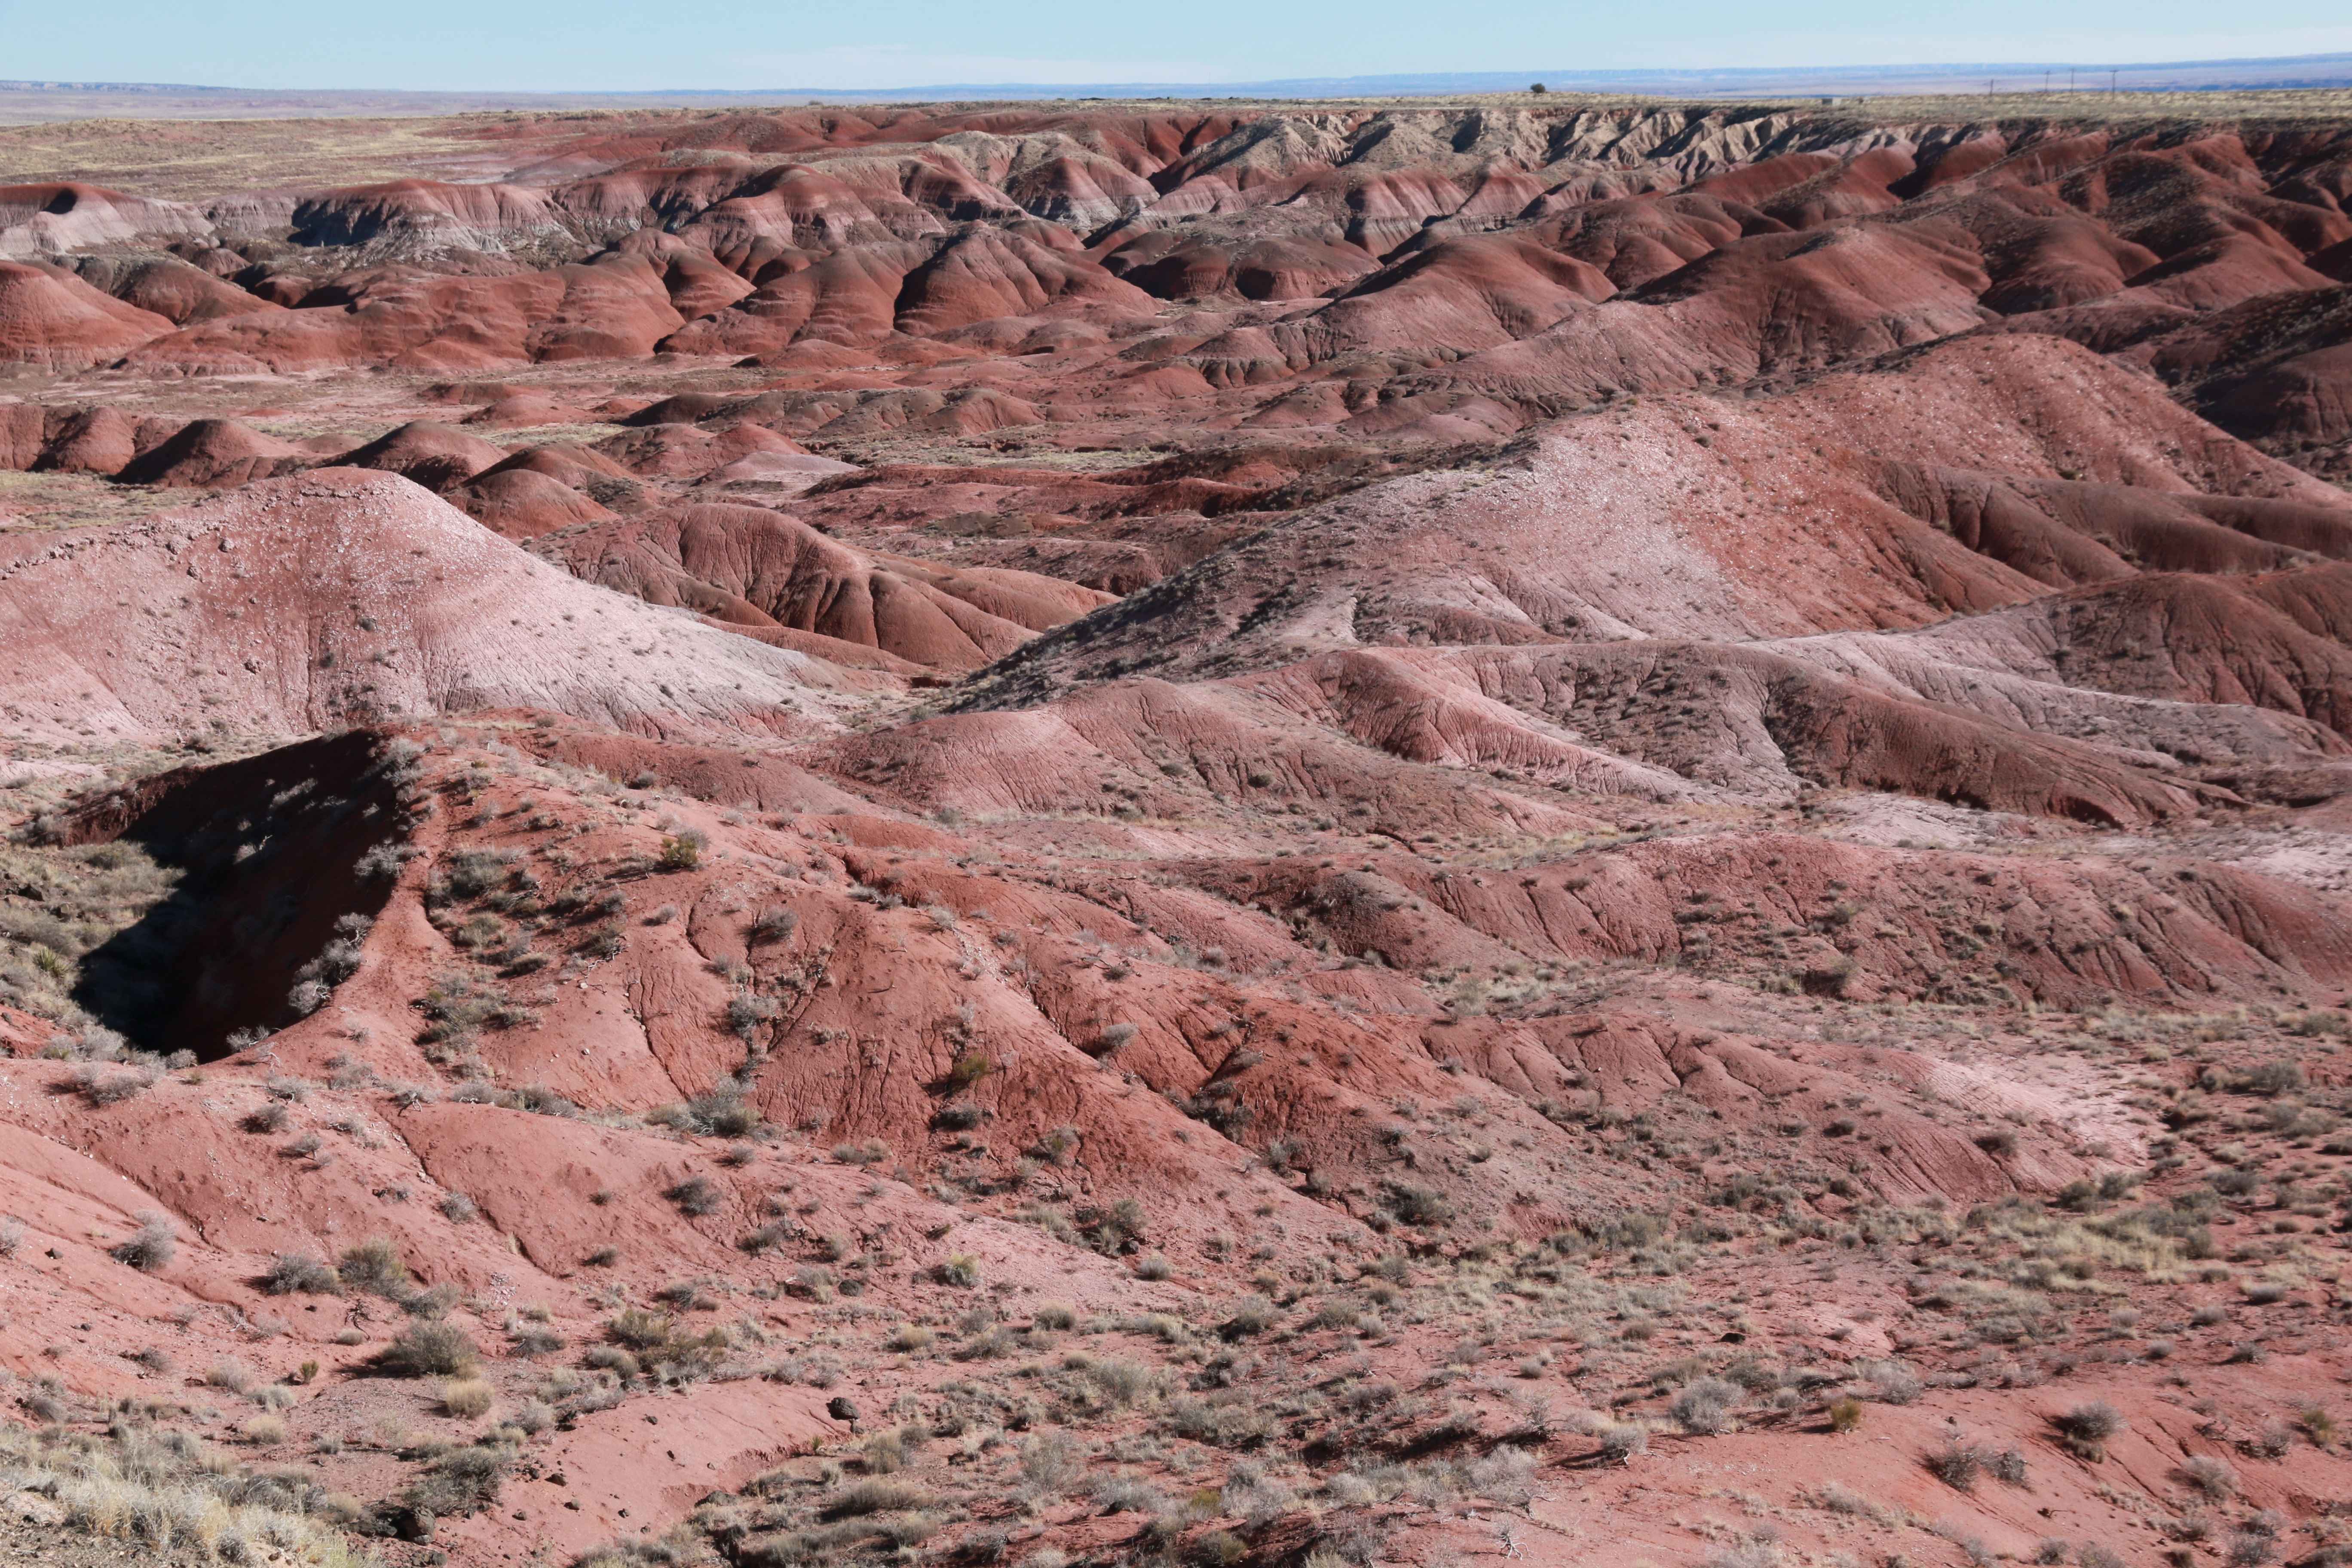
point(1217, 835)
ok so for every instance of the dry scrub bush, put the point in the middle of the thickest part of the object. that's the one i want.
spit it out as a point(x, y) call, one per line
point(1122, 1383)
point(639, 1328)
point(1956, 1467)
point(1892, 1382)
point(1959, 1465)
point(299, 1273)
point(460, 1482)
point(723, 1112)
point(884, 1453)
point(2210, 1476)
point(1124, 1494)
point(1620, 1443)
point(100, 1087)
point(1844, 1499)
point(2086, 1428)
point(151, 1245)
point(695, 1197)
point(876, 1494)
point(1704, 1407)
point(431, 1348)
point(373, 1268)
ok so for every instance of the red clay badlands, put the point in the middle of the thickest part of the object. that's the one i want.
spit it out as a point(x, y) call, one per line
point(1264, 838)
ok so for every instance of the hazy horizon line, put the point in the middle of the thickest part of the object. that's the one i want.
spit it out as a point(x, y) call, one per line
point(1790, 77)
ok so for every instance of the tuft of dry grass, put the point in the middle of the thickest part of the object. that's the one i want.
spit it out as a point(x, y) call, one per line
point(265, 1431)
point(466, 1398)
point(168, 1494)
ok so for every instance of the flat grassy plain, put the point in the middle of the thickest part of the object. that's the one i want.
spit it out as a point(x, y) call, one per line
point(190, 159)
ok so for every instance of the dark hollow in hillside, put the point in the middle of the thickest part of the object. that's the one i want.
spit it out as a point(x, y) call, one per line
point(269, 851)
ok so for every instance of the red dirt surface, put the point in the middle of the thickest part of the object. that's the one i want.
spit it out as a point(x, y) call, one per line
point(1229, 836)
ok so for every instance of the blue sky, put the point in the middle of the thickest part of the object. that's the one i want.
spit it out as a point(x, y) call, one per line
point(624, 45)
